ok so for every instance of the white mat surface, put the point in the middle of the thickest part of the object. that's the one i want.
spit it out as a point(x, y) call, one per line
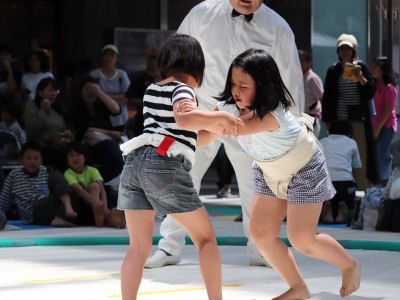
point(93, 272)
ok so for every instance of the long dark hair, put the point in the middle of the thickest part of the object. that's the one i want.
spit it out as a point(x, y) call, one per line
point(44, 83)
point(181, 53)
point(270, 89)
point(383, 63)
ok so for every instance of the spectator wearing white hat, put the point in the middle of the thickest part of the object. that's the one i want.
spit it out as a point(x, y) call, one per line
point(348, 88)
point(114, 82)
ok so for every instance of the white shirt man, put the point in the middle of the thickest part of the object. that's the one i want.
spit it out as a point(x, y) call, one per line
point(223, 36)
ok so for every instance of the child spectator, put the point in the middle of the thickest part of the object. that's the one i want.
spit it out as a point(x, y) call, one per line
point(10, 114)
point(342, 156)
point(87, 183)
point(41, 196)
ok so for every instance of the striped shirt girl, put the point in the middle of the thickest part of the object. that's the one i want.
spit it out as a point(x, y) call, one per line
point(159, 120)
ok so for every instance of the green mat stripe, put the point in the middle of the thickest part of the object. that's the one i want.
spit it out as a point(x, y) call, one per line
point(221, 240)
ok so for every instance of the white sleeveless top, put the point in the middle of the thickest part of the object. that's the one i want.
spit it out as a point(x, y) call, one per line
point(268, 145)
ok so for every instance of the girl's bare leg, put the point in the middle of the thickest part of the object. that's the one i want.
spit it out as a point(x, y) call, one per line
point(97, 207)
point(69, 211)
point(265, 223)
point(140, 227)
point(199, 228)
point(302, 233)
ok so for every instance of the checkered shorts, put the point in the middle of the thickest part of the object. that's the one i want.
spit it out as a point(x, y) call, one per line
point(311, 185)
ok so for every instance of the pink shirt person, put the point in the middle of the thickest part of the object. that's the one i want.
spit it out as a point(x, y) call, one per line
point(385, 94)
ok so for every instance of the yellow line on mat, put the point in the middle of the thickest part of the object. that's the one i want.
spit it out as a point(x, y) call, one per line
point(70, 278)
point(175, 291)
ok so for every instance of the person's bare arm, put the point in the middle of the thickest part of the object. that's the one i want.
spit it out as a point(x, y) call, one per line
point(205, 137)
point(197, 119)
point(120, 99)
point(81, 192)
point(109, 101)
point(103, 195)
point(383, 119)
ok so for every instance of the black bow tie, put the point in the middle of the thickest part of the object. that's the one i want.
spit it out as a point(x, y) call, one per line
point(248, 17)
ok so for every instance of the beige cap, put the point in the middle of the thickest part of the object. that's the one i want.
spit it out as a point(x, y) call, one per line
point(347, 39)
point(110, 47)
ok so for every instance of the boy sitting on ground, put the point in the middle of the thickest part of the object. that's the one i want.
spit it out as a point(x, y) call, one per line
point(41, 196)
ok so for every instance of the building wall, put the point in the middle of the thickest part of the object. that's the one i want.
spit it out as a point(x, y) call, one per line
point(74, 30)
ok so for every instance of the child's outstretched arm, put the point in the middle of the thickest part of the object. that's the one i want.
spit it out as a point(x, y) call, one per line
point(204, 137)
point(194, 119)
point(187, 116)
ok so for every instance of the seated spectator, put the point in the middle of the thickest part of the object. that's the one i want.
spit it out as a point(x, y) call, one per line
point(10, 114)
point(92, 126)
point(342, 156)
point(41, 196)
point(10, 76)
point(140, 80)
point(114, 82)
point(313, 90)
point(87, 183)
point(46, 125)
point(36, 65)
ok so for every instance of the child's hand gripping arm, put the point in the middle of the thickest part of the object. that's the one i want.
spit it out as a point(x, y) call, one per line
point(217, 122)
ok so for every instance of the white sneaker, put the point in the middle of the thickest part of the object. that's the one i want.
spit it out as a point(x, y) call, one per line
point(260, 261)
point(225, 192)
point(160, 259)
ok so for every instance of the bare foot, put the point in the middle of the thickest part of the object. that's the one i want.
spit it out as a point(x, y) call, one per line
point(71, 214)
point(351, 280)
point(116, 219)
point(300, 292)
point(57, 221)
point(327, 217)
point(99, 214)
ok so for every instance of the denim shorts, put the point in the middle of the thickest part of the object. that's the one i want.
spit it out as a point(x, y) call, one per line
point(153, 182)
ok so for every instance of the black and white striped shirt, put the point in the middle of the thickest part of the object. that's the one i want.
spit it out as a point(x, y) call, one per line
point(159, 120)
point(23, 190)
point(348, 94)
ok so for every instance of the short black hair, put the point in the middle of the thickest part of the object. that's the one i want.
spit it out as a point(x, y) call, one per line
point(181, 53)
point(43, 58)
point(306, 55)
point(341, 127)
point(30, 145)
point(270, 89)
point(77, 147)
